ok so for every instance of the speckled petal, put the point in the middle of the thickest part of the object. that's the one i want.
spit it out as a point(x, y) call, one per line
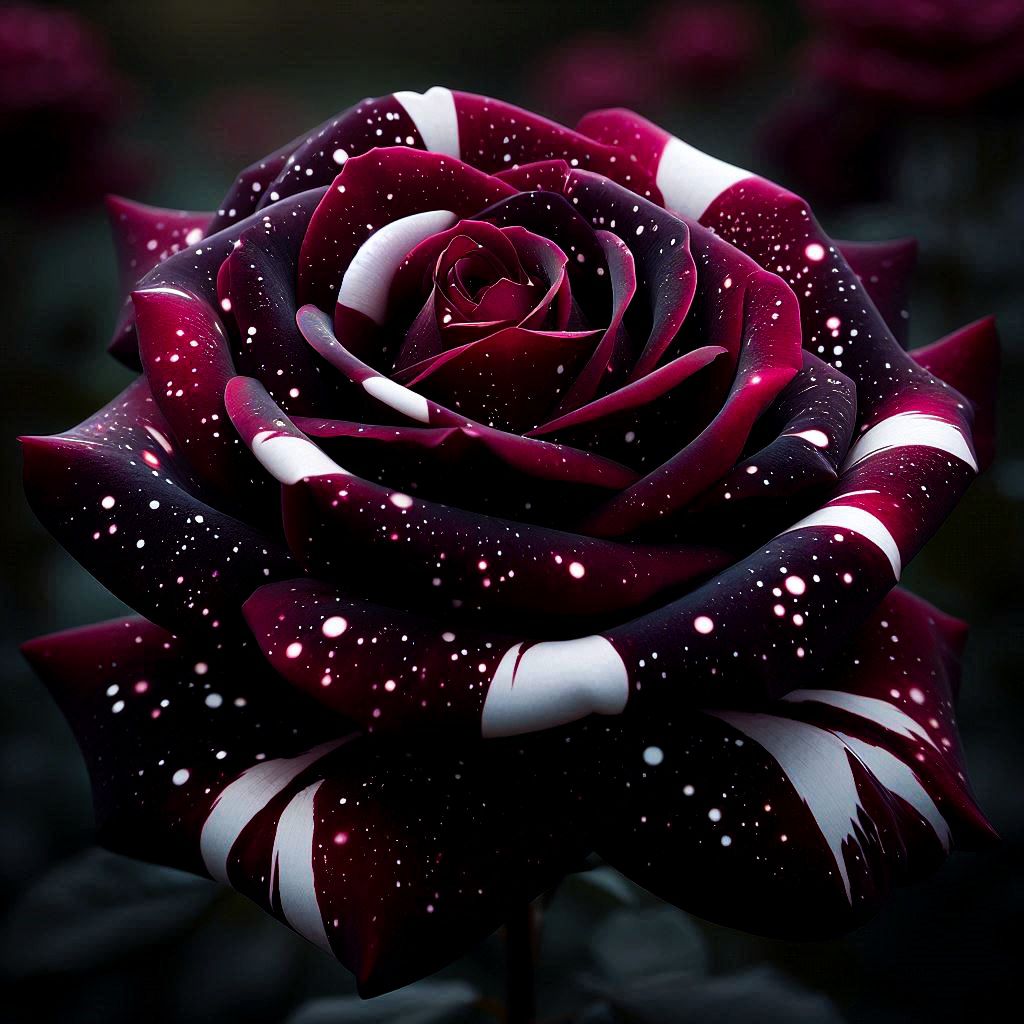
point(120, 497)
point(145, 236)
point(792, 818)
point(395, 860)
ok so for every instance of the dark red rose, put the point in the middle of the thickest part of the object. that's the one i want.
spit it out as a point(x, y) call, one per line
point(60, 97)
point(931, 53)
point(494, 493)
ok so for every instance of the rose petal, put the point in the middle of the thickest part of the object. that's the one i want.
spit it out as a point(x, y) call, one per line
point(143, 237)
point(395, 860)
point(886, 270)
point(968, 360)
point(347, 528)
point(117, 493)
point(793, 818)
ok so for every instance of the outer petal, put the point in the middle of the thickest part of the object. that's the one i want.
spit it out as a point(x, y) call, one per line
point(886, 270)
point(117, 493)
point(792, 818)
point(145, 236)
point(396, 861)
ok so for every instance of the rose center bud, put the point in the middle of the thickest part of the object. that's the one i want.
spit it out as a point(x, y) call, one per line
point(472, 302)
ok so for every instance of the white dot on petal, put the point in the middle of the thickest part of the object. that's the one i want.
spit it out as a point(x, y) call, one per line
point(180, 777)
point(293, 650)
point(703, 624)
point(654, 756)
point(334, 626)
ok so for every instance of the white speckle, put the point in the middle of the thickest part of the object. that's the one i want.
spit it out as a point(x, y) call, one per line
point(703, 624)
point(795, 585)
point(654, 756)
point(576, 570)
point(214, 700)
point(334, 626)
point(815, 252)
point(293, 650)
point(715, 814)
point(180, 777)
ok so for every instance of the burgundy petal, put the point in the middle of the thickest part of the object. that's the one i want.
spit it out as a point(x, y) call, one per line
point(660, 245)
point(886, 270)
point(396, 860)
point(366, 535)
point(968, 360)
point(792, 818)
point(118, 494)
point(145, 236)
point(257, 285)
point(187, 363)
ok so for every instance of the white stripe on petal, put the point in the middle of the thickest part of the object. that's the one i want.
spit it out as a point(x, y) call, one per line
point(881, 712)
point(368, 278)
point(911, 428)
point(691, 180)
point(291, 866)
point(397, 397)
point(552, 683)
point(290, 459)
point(433, 112)
point(241, 801)
point(817, 764)
point(902, 780)
point(859, 521)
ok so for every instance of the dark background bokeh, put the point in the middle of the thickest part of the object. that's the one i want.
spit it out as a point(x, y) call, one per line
point(207, 85)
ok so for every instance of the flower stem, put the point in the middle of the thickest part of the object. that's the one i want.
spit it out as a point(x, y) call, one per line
point(520, 994)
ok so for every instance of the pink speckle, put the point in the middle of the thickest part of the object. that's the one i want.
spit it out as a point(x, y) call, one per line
point(332, 627)
point(576, 570)
point(815, 252)
point(150, 459)
point(703, 624)
point(400, 500)
point(916, 695)
point(340, 838)
point(795, 585)
point(293, 650)
point(108, 501)
point(832, 323)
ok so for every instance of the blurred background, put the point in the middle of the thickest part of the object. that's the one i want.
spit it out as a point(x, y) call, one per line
point(896, 118)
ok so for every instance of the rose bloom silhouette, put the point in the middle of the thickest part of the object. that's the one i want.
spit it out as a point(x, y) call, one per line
point(494, 494)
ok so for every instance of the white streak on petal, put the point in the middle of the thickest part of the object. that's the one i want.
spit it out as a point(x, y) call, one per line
point(902, 780)
point(859, 521)
point(241, 801)
point(911, 428)
point(368, 278)
point(291, 866)
point(397, 397)
point(291, 459)
point(691, 180)
point(817, 765)
point(433, 112)
point(881, 712)
point(553, 683)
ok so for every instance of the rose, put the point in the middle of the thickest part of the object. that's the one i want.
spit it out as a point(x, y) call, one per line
point(591, 445)
point(936, 53)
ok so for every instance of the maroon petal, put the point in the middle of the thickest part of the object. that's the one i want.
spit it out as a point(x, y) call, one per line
point(792, 818)
point(766, 337)
point(495, 136)
point(886, 270)
point(510, 380)
point(364, 534)
point(810, 426)
point(117, 493)
point(395, 860)
point(968, 360)
point(357, 206)
point(145, 236)
point(540, 176)
point(187, 363)
point(660, 245)
point(555, 462)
